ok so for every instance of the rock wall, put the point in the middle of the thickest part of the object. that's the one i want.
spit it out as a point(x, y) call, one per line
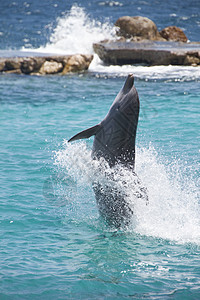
point(39, 65)
point(149, 53)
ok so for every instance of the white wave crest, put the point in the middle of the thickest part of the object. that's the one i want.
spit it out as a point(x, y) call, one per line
point(176, 73)
point(75, 32)
point(173, 210)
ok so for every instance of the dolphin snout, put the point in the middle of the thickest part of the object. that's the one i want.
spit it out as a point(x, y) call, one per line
point(128, 83)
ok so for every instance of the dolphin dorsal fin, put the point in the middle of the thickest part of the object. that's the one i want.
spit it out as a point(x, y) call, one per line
point(85, 134)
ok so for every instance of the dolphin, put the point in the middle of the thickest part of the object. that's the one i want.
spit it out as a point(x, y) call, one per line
point(114, 140)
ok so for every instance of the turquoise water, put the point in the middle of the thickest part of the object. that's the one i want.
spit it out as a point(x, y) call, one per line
point(53, 243)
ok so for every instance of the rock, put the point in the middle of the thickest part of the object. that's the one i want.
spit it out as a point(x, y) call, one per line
point(140, 27)
point(51, 67)
point(2, 65)
point(76, 63)
point(31, 64)
point(191, 60)
point(15, 71)
point(173, 33)
point(41, 65)
point(148, 53)
point(10, 65)
point(13, 63)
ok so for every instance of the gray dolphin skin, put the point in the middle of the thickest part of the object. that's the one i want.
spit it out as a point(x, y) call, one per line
point(115, 141)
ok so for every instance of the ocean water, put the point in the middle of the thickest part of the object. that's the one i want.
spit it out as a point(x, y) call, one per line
point(53, 242)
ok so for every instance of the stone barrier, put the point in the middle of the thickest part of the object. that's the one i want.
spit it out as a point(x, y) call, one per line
point(44, 65)
point(148, 53)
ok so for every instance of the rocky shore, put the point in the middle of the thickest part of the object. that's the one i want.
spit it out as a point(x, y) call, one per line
point(43, 65)
point(137, 41)
point(140, 42)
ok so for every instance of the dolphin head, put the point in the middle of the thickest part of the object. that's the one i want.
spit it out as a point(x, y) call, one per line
point(116, 138)
point(127, 101)
point(115, 135)
point(128, 83)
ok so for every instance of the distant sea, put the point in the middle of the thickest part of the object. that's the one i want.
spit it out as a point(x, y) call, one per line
point(53, 243)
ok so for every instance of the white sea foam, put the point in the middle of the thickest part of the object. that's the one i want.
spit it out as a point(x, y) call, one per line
point(179, 73)
point(111, 3)
point(76, 32)
point(173, 211)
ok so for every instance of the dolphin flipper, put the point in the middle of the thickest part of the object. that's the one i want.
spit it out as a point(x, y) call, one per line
point(85, 134)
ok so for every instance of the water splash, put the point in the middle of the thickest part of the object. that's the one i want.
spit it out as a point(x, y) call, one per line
point(76, 32)
point(173, 211)
point(174, 73)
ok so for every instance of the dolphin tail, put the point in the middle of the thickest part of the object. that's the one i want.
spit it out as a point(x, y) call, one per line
point(85, 134)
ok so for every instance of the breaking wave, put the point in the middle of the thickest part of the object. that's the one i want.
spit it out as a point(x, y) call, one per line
point(76, 32)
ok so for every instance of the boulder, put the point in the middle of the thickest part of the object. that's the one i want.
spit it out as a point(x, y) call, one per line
point(14, 71)
point(2, 64)
point(13, 63)
point(31, 64)
point(77, 63)
point(192, 60)
point(51, 67)
point(173, 33)
point(137, 28)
